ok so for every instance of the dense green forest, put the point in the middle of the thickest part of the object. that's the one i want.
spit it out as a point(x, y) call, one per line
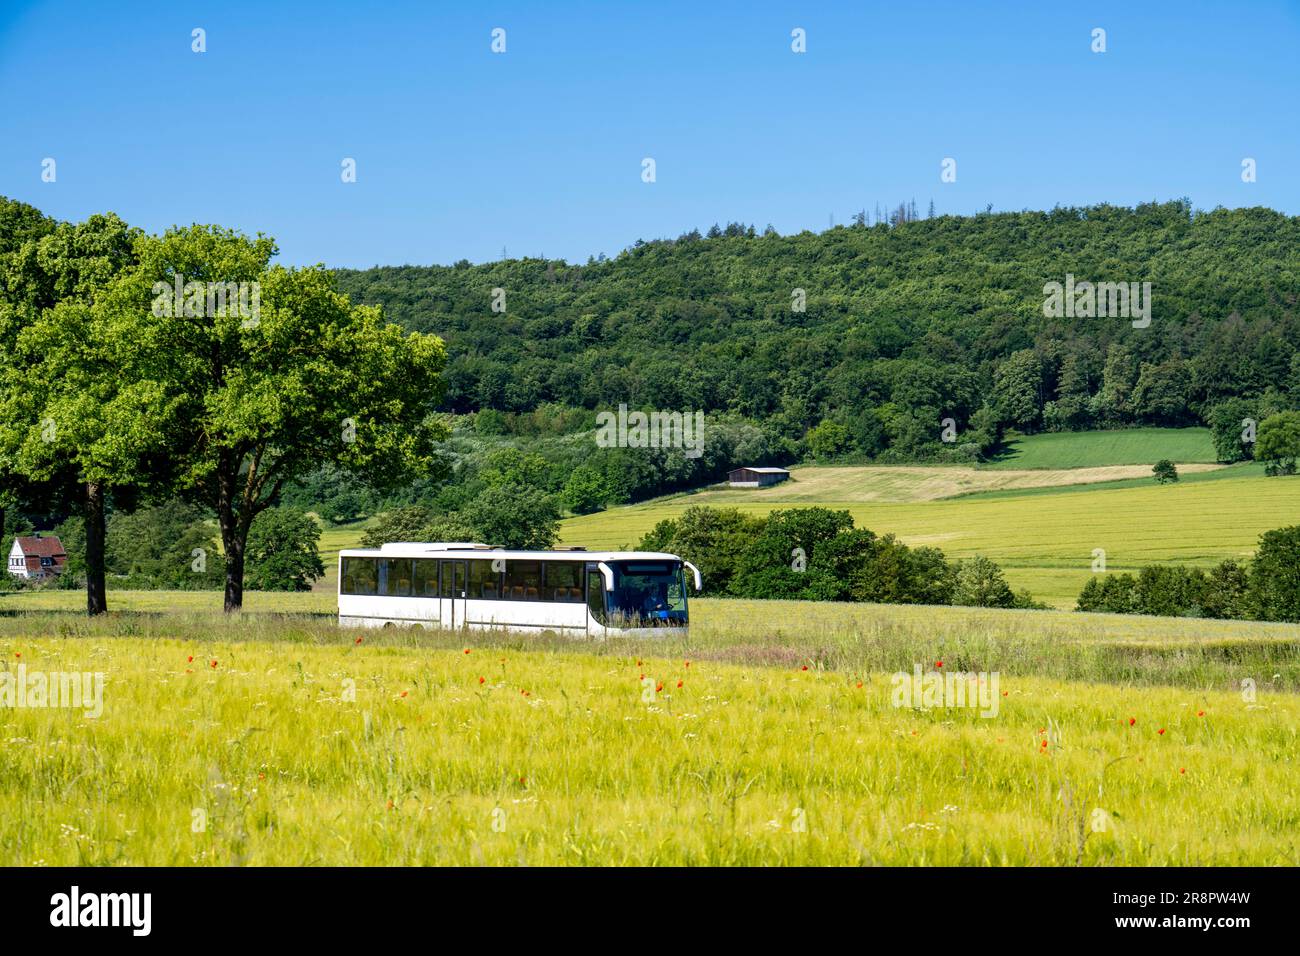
point(904, 325)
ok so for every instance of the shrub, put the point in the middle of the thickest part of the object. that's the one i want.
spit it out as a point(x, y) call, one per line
point(282, 551)
point(1275, 576)
point(980, 583)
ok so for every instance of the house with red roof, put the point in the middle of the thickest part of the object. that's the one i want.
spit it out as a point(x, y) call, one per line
point(37, 557)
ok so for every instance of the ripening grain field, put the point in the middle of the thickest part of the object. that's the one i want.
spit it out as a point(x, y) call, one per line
point(769, 738)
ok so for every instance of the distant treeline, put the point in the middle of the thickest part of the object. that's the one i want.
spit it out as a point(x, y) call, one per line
point(1265, 589)
point(862, 339)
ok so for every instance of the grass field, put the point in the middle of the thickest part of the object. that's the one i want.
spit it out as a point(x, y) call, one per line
point(1044, 539)
point(1129, 446)
point(301, 746)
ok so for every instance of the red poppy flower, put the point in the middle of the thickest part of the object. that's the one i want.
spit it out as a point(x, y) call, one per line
point(804, 668)
point(403, 693)
point(467, 650)
point(659, 687)
point(938, 663)
point(358, 640)
point(859, 683)
point(214, 665)
point(679, 684)
point(1161, 731)
point(482, 680)
point(1200, 713)
point(190, 659)
point(1004, 693)
point(1132, 721)
point(1182, 770)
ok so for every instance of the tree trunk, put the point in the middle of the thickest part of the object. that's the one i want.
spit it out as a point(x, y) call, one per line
point(96, 593)
point(234, 538)
point(234, 575)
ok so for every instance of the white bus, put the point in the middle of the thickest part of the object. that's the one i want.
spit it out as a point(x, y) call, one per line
point(477, 587)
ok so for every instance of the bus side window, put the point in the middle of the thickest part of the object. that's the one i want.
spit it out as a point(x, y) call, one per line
point(483, 581)
point(426, 577)
point(596, 595)
point(359, 576)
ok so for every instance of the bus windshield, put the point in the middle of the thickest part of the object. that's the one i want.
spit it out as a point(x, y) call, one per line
point(647, 594)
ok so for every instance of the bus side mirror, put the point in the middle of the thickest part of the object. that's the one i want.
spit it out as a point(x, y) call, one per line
point(695, 571)
point(608, 574)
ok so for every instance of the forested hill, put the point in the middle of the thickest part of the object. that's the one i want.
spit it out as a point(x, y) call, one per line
point(904, 324)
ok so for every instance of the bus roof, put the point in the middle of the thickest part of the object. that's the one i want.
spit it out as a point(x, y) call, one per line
point(458, 549)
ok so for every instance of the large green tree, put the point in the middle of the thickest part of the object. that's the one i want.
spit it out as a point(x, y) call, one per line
point(265, 393)
point(70, 422)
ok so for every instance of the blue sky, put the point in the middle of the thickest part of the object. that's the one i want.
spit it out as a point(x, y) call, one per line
point(461, 152)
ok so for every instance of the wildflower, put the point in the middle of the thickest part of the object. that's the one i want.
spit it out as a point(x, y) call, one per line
point(404, 693)
point(679, 685)
point(804, 668)
point(1132, 721)
point(358, 640)
point(190, 659)
point(214, 665)
point(938, 663)
point(1161, 731)
point(482, 680)
point(467, 650)
point(1200, 713)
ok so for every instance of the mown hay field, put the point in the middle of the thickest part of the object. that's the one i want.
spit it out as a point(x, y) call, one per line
point(770, 736)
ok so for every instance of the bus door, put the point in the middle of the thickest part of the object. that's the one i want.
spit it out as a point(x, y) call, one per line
point(596, 599)
point(451, 598)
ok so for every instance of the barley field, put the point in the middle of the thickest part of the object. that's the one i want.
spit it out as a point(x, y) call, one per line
point(770, 736)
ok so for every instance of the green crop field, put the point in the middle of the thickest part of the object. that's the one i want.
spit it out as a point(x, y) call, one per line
point(771, 736)
point(1043, 538)
point(1129, 446)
